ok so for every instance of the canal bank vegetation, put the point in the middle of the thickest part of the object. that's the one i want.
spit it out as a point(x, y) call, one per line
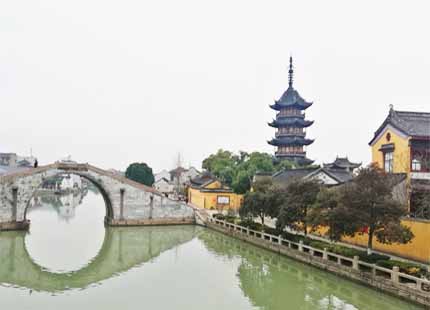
point(364, 206)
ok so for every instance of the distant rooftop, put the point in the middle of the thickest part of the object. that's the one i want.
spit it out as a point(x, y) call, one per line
point(342, 163)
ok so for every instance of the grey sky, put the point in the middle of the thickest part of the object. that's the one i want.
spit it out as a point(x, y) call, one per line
point(112, 82)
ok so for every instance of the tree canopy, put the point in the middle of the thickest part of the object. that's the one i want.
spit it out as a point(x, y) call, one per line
point(299, 198)
point(366, 206)
point(261, 202)
point(237, 170)
point(140, 172)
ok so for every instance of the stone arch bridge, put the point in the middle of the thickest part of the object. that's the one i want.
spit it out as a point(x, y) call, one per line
point(128, 203)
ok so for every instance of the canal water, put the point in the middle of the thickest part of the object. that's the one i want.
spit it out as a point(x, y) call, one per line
point(69, 260)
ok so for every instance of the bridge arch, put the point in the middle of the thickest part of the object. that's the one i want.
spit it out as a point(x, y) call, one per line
point(101, 189)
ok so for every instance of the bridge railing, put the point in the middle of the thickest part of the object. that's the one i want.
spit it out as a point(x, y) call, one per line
point(394, 275)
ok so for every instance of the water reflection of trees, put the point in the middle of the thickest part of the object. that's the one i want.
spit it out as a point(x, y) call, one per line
point(272, 282)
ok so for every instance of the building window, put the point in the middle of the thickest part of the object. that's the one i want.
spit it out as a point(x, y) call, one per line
point(388, 162)
point(416, 165)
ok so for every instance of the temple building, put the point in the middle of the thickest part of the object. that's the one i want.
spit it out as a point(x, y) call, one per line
point(402, 145)
point(290, 137)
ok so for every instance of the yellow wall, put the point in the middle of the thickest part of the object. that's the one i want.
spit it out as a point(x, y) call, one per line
point(418, 249)
point(401, 155)
point(208, 200)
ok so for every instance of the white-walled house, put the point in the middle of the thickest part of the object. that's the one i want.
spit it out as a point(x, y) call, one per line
point(164, 186)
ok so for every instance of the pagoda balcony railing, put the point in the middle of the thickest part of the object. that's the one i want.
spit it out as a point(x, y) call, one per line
point(285, 134)
point(283, 114)
point(299, 154)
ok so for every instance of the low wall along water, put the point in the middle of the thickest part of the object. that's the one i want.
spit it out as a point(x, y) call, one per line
point(388, 280)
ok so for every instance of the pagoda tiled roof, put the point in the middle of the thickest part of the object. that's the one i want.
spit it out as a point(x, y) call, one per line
point(413, 124)
point(291, 99)
point(290, 141)
point(288, 121)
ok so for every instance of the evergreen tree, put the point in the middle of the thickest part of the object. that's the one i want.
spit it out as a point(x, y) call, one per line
point(140, 172)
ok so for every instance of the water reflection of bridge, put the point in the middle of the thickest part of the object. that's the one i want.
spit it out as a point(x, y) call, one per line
point(123, 248)
point(273, 282)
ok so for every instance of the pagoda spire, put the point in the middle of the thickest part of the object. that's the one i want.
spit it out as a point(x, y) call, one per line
point(290, 73)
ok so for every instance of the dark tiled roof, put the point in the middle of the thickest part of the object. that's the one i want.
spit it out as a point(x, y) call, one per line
point(342, 162)
point(202, 179)
point(341, 175)
point(291, 98)
point(410, 123)
point(288, 175)
point(298, 122)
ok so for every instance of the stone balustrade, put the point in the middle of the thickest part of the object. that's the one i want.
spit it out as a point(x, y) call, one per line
point(389, 280)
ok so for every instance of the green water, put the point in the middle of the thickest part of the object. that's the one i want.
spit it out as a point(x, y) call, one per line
point(69, 260)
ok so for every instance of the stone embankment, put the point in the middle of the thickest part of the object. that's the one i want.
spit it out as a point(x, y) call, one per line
point(388, 280)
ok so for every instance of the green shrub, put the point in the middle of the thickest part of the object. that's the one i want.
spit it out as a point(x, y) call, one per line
point(230, 219)
point(272, 231)
point(294, 237)
point(372, 258)
point(251, 224)
point(405, 267)
point(219, 216)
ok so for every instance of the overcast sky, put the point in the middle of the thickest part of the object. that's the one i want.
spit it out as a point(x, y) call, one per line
point(113, 82)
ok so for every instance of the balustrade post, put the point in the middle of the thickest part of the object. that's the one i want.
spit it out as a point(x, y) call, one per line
point(325, 254)
point(280, 240)
point(419, 284)
point(311, 251)
point(395, 274)
point(247, 231)
point(355, 263)
point(301, 245)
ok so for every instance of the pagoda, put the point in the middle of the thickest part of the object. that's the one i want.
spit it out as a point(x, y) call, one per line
point(290, 137)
